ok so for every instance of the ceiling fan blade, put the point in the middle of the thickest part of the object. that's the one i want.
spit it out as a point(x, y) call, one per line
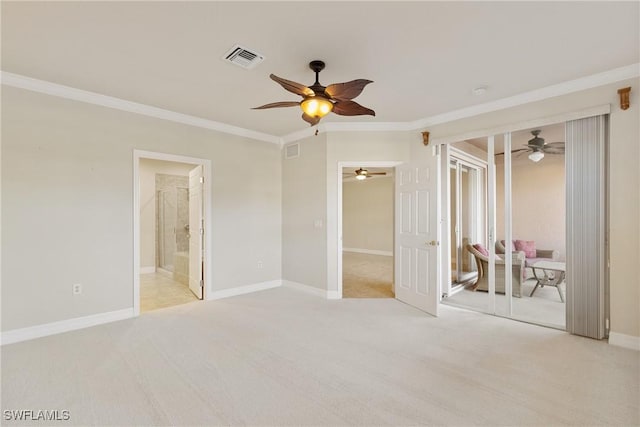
point(297, 88)
point(346, 91)
point(553, 150)
point(277, 105)
point(513, 151)
point(351, 108)
point(311, 120)
point(376, 173)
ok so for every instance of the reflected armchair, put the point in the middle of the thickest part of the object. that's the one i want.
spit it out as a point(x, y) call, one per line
point(517, 272)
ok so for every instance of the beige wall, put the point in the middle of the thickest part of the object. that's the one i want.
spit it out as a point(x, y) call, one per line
point(67, 200)
point(304, 238)
point(367, 214)
point(147, 173)
point(624, 183)
point(67, 205)
point(538, 201)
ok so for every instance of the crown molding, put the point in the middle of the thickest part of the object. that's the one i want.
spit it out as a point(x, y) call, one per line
point(583, 83)
point(54, 89)
point(571, 86)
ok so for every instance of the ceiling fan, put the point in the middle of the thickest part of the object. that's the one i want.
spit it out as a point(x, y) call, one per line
point(361, 174)
point(538, 147)
point(318, 101)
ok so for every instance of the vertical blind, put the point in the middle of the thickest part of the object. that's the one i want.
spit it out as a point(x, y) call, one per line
point(587, 275)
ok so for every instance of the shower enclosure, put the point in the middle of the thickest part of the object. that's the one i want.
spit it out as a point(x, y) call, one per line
point(172, 225)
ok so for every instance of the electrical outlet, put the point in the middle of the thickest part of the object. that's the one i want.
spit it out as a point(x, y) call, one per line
point(259, 264)
point(77, 289)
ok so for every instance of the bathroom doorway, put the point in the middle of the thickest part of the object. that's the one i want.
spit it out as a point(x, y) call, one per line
point(171, 231)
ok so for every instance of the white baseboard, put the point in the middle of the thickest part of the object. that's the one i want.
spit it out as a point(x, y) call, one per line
point(333, 295)
point(311, 289)
point(53, 328)
point(626, 341)
point(368, 251)
point(246, 289)
point(148, 270)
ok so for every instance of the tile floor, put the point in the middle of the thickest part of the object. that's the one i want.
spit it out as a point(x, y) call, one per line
point(159, 290)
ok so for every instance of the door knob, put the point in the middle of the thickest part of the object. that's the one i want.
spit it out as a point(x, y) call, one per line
point(433, 243)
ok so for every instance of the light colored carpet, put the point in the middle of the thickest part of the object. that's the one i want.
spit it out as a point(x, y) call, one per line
point(544, 307)
point(285, 357)
point(367, 276)
point(158, 290)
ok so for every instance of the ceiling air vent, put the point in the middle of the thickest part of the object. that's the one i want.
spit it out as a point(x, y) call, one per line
point(243, 57)
point(292, 151)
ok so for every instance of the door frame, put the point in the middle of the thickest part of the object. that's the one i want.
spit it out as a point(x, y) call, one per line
point(208, 210)
point(352, 164)
point(452, 154)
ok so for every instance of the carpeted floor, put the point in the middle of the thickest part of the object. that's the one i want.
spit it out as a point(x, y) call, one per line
point(284, 357)
point(544, 307)
point(367, 276)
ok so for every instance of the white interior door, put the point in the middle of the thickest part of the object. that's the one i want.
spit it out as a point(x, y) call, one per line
point(196, 231)
point(416, 234)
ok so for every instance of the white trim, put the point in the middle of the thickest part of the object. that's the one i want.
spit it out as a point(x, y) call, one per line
point(32, 332)
point(564, 88)
point(322, 293)
point(208, 218)
point(491, 215)
point(627, 341)
point(147, 270)
point(368, 251)
point(241, 290)
point(528, 124)
point(333, 295)
point(54, 89)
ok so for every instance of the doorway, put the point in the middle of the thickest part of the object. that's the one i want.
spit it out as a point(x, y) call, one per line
point(366, 261)
point(466, 213)
point(171, 230)
point(367, 232)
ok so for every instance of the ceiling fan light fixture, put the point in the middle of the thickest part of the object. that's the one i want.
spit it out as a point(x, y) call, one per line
point(316, 106)
point(536, 156)
point(361, 177)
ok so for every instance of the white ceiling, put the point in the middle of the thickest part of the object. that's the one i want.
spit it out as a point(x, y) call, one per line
point(424, 57)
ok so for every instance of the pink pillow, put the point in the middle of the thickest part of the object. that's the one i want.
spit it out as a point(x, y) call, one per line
point(513, 246)
point(527, 246)
point(480, 248)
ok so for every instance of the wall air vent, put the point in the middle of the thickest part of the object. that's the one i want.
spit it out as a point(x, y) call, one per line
point(243, 57)
point(292, 151)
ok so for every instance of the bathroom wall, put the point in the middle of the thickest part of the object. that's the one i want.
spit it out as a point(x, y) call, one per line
point(172, 217)
point(148, 170)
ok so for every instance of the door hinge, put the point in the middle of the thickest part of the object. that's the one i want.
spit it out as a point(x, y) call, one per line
point(202, 180)
point(202, 283)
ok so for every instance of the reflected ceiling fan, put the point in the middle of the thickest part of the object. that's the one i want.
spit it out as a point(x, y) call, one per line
point(318, 101)
point(361, 174)
point(537, 147)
